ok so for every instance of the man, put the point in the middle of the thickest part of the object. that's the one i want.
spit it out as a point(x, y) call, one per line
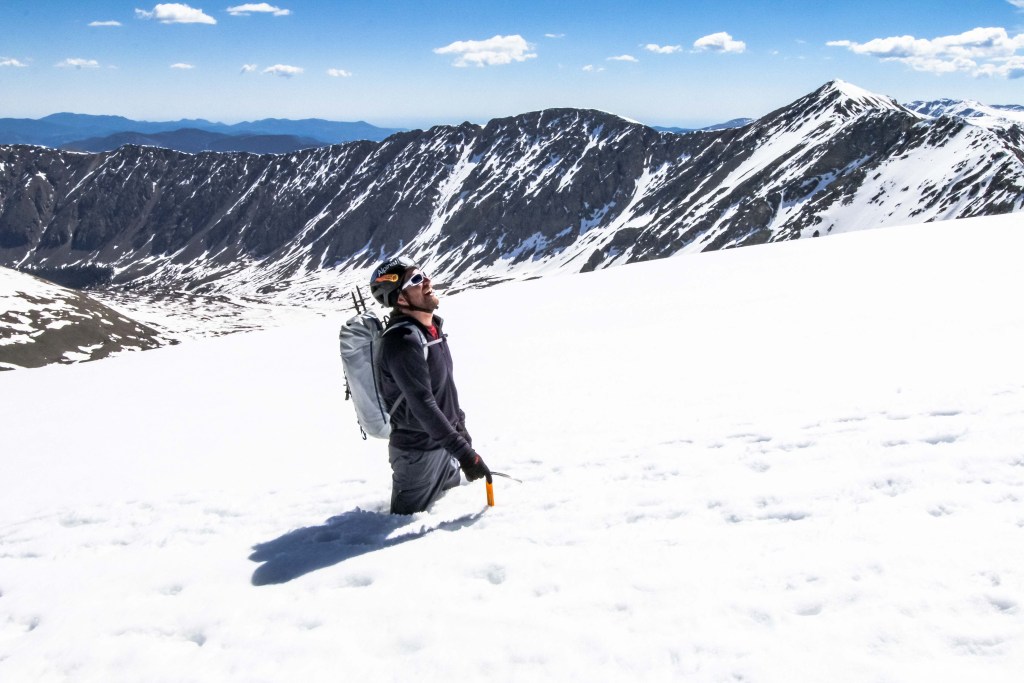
point(428, 442)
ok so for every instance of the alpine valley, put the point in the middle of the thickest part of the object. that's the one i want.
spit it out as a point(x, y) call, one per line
point(560, 190)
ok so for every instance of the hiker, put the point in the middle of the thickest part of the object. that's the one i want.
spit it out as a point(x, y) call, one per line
point(428, 441)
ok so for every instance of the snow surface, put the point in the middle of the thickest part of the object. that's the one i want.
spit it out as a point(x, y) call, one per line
point(794, 462)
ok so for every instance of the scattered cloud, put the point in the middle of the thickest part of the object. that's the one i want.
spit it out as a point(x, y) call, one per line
point(77, 63)
point(257, 8)
point(979, 52)
point(491, 52)
point(1017, 3)
point(719, 42)
point(183, 66)
point(662, 49)
point(339, 73)
point(176, 13)
point(562, 35)
point(623, 58)
point(590, 68)
point(249, 68)
point(104, 23)
point(7, 61)
point(283, 70)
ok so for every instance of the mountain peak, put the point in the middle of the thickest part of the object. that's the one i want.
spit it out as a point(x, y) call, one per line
point(854, 94)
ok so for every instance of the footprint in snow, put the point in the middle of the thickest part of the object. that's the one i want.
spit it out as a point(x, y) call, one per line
point(942, 438)
point(72, 520)
point(1002, 603)
point(891, 487)
point(809, 609)
point(751, 437)
point(786, 516)
point(495, 574)
point(940, 511)
point(359, 581)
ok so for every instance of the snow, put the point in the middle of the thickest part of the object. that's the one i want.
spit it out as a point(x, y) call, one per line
point(794, 462)
point(975, 113)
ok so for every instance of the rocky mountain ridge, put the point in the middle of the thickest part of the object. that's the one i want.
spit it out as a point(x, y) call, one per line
point(551, 191)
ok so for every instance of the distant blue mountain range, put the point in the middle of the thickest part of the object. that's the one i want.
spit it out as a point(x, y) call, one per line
point(732, 123)
point(72, 130)
point(91, 133)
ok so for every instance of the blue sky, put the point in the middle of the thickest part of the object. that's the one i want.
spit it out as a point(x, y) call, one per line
point(415, 63)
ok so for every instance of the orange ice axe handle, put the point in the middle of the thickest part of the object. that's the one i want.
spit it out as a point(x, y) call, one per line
point(490, 491)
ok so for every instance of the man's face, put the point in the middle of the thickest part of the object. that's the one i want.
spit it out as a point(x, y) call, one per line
point(420, 295)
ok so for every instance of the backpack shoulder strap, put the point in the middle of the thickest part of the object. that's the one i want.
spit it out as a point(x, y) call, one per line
point(420, 337)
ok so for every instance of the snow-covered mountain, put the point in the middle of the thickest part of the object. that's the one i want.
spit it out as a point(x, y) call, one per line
point(41, 323)
point(990, 116)
point(790, 463)
point(546, 192)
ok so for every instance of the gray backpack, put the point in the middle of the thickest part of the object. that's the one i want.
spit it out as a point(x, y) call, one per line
point(360, 343)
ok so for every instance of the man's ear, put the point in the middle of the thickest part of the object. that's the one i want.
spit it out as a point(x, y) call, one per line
point(401, 300)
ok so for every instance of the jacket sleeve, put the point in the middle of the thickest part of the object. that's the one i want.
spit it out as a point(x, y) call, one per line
point(411, 375)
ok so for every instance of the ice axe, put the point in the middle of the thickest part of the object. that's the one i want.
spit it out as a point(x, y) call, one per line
point(490, 485)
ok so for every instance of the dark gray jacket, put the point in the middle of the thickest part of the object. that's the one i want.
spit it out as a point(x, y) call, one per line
point(429, 415)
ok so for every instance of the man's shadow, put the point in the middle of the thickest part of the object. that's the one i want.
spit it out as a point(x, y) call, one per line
point(340, 538)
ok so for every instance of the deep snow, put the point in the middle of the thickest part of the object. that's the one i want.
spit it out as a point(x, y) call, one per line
point(794, 462)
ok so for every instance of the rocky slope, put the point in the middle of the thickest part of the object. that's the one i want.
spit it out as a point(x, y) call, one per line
point(550, 191)
point(41, 324)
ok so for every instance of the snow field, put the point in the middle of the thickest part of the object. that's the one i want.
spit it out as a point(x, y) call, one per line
point(792, 462)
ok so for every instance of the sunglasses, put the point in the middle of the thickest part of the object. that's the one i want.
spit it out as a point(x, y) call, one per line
point(415, 281)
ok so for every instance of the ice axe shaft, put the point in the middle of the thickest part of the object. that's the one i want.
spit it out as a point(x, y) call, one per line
point(490, 490)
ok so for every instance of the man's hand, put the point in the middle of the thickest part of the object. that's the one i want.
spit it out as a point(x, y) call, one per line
point(474, 467)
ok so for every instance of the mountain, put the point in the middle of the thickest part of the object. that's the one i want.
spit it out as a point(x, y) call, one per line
point(41, 323)
point(732, 123)
point(544, 192)
point(196, 140)
point(57, 130)
point(990, 116)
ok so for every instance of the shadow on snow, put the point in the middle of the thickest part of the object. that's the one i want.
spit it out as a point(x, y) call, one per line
point(341, 538)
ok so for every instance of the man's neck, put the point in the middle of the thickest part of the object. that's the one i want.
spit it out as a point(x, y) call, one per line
point(424, 318)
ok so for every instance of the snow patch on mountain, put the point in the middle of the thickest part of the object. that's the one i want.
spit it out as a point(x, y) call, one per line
point(976, 113)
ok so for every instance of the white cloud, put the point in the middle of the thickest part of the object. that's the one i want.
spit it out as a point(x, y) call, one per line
point(490, 52)
point(662, 49)
point(1016, 3)
point(259, 8)
point(183, 66)
point(104, 23)
point(590, 68)
point(562, 35)
point(979, 52)
point(249, 68)
point(5, 61)
point(719, 42)
point(339, 73)
point(176, 13)
point(283, 70)
point(77, 63)
point(623, 58)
